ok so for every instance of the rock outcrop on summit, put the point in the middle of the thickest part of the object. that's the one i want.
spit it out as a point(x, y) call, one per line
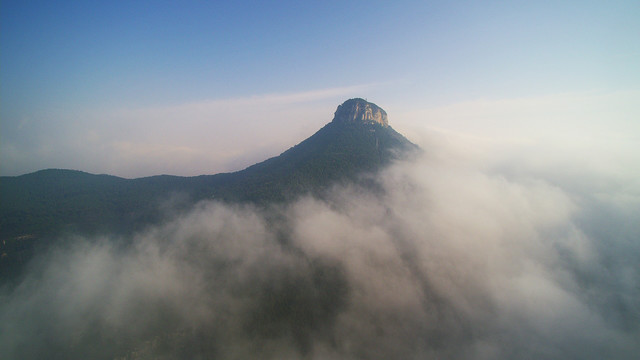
point(360, 111)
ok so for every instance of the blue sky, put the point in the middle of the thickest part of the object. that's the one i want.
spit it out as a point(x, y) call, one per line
point(136, 88)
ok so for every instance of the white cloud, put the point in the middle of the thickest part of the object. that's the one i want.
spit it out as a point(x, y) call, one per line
point(574, 132)
point(452, 260)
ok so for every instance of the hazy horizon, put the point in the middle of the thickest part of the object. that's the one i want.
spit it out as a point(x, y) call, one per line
point(144, 89)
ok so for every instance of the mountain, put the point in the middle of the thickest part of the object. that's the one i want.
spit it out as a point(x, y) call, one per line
point(47, 203)
point(357, 140)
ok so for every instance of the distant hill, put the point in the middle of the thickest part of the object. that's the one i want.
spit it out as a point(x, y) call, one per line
point(47, 203)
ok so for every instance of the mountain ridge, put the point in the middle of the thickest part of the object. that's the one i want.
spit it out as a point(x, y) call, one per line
point(52, 202)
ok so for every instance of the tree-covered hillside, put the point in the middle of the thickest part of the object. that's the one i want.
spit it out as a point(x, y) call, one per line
point(39, 207)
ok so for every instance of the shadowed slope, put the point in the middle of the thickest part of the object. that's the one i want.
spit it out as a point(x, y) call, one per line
point(51, 202)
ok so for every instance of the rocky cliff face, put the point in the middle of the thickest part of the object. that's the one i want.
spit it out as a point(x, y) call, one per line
point(360, 111)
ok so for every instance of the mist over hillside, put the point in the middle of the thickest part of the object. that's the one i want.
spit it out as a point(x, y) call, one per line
point(457, 257)
point(173, 186)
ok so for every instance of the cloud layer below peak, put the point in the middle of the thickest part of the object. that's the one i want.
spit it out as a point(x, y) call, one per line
point(455, 258)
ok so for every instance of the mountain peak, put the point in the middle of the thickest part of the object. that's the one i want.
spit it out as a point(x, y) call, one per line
point(360, 111)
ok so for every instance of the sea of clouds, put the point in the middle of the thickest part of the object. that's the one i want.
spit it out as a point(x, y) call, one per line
point(456, 256)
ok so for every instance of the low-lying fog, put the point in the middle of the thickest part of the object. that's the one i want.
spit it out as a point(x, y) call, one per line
point(459, 257)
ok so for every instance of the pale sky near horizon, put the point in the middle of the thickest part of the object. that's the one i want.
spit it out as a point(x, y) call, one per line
point(137, 88)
